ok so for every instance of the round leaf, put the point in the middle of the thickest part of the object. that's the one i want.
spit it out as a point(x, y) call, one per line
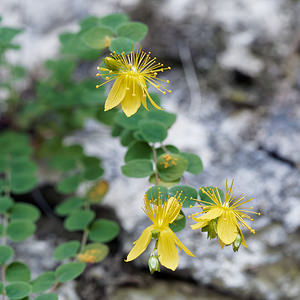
point(79, 220)
point(50, 296)
point(166, 118)
point(6, 252)
point(24, 211)
point(157, 192)
point(187, 194)
point(93, 253)
point(138, 150)
point(152, 131)
point(135, 31)
point(69, 271)
point(17, 271)
point(138, 168)
point(103, 230)
point(179, 222)
point(194, 162)
point(122, 44)
point(98, 37)
point(171, 166)
point(114, 20)
point(5, 204)
point(43, 282)
point(66, 250)
point(17, 290)
point(69, 205)
point(98, 191)
point(23, 183)
point(167, 184)
point(69, 185)
point(20, 230)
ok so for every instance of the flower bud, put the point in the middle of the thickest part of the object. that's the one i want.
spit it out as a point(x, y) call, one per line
point(153, 264)
point(237, 243)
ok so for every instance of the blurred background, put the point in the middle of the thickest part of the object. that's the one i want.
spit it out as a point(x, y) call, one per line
point(236, 90)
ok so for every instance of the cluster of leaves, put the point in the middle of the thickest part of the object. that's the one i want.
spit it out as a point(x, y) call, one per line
point(59, 105)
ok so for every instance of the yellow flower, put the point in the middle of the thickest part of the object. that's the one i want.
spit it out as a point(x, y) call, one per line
point(132, 73)
point(229, 215)
point(161, 216)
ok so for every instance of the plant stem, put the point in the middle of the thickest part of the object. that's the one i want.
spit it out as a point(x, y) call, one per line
point(155, 162)
point(164, 148)
point(84, 239)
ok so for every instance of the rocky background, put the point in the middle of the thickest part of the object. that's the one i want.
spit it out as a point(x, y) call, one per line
point(236, 90)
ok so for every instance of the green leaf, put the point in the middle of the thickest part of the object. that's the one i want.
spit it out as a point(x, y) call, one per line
point(167, 119)
point(5, 204)
point(66, 250)
point(114, 20)
point(167, 184)
point(23, 165)
point(17, 290)
point(7, 34)
point(127, 137)
point(103, 230)
point(69, 271)
point(24, 211)
point(93, 253)
point(63, 162)
point(20, 230)
point(194, 163)
point(138, 150)
point(138, 168)
point(152, 131)
point(23, 183)
point(156, 192)
point(6, 252)
point(93, 172)
point(79, 220)
point(135, 31)
point(50, 296)
point(171, 166)
point(122, 44)
point(131, 123)
point(69, 205)
point(179, 222)
point(17, 271)
point(187, 193)
point(43, 282)
point(69, 184)
point(97, 192)
point(206, 199)
point(98, 37)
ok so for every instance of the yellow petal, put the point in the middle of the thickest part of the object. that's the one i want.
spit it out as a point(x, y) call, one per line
point(221, 244)
point(116, 94)
point(227, 228)
point(141, 244)
point(213, 213)
point(199, 224)
point(166, 249)
point(132, 100)
point(181, 246)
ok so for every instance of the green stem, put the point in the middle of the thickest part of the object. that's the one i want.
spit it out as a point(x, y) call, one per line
point(155, 163)
point(84, 239)
point(164, 148)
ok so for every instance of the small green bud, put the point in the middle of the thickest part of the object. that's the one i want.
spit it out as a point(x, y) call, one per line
point(111, 64)
point(153, 264)
point(211, 229)
point(237, 243)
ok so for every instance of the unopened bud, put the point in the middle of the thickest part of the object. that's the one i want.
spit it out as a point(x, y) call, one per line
point(111, 63)
point(237, 243)
point(153, 264)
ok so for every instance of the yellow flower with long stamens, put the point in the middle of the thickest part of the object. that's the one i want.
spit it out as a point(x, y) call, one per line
point(228, 214)
point(132, 73)
point(161, 215)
